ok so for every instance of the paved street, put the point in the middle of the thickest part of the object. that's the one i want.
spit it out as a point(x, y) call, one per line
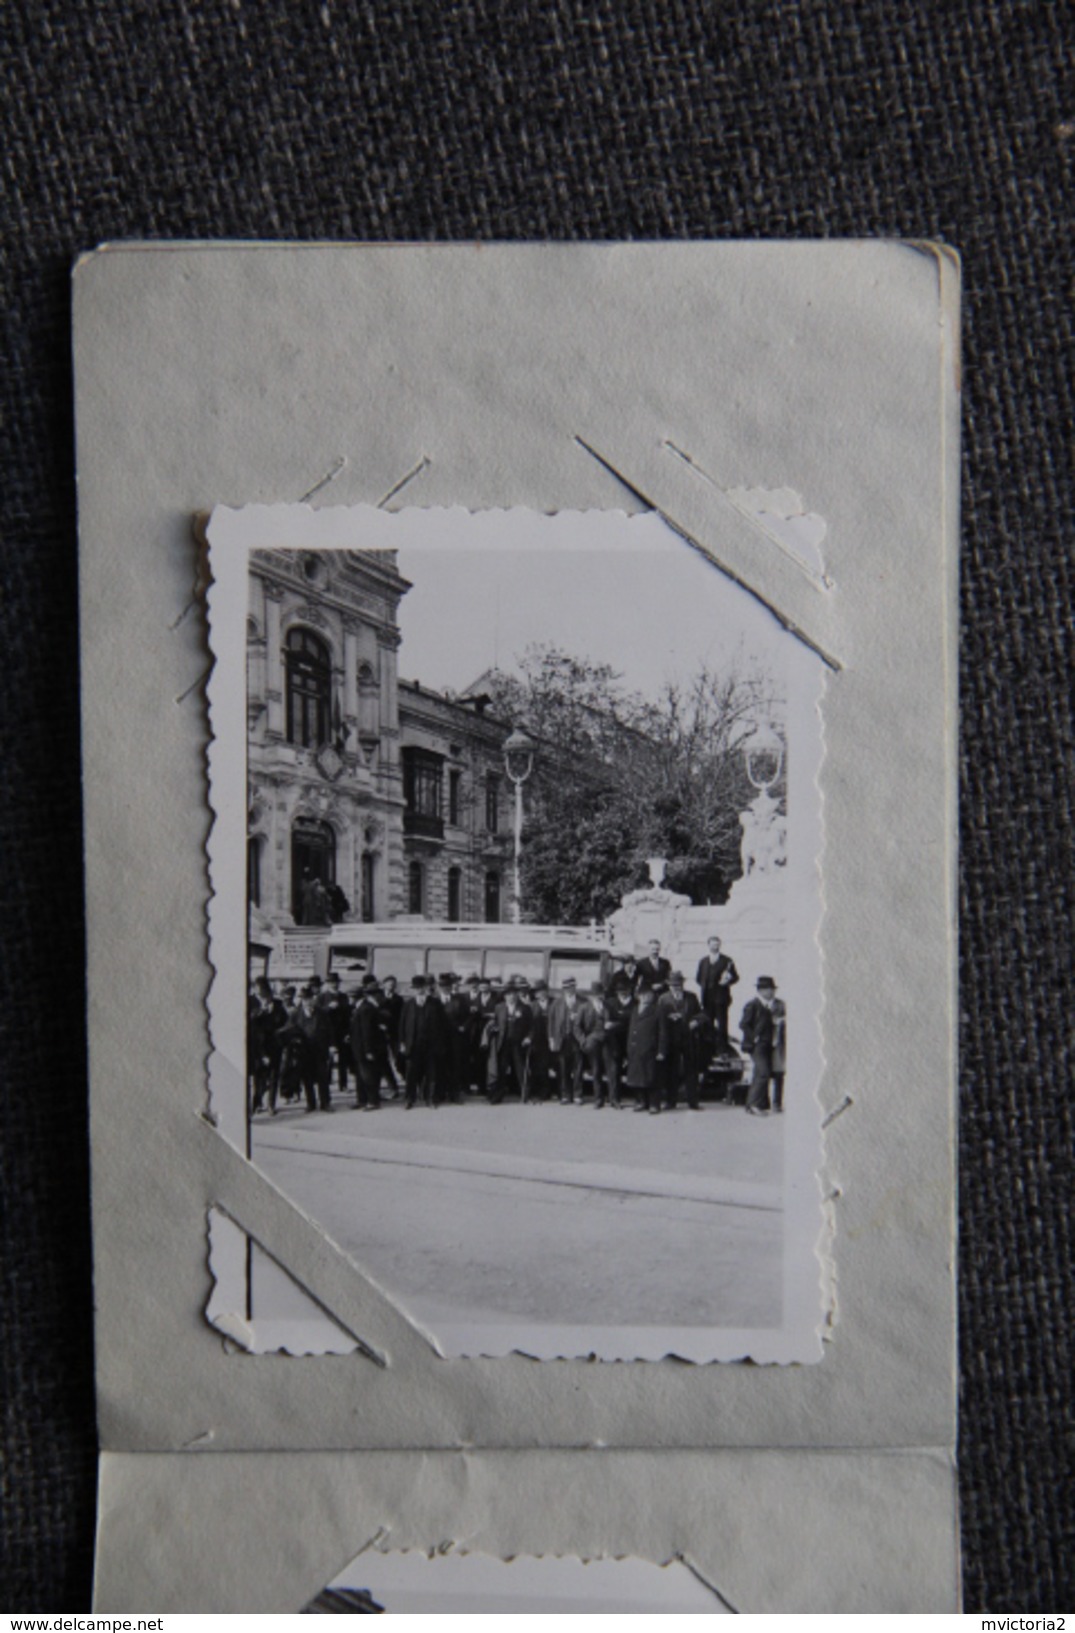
point(545, 1213)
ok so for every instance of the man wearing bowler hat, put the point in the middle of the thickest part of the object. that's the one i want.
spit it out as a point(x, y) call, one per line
point(422, 1036)
point(762, 1026)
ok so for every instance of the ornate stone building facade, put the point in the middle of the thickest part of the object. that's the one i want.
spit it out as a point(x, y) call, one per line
point(390, 795)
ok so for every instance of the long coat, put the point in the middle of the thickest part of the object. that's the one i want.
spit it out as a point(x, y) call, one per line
point(677, 1027)
point(643, 1037)
point(759, 1028)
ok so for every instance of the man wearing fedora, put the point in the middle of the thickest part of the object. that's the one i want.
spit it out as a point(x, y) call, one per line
point(762, 1026)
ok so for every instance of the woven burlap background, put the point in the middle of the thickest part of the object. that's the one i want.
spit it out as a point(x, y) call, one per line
point(548, 119)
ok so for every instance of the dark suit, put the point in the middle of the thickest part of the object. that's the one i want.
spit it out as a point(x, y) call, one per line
point(760, 1026)
point(369, 1051)
point(678, 1020)
point(569, 1025)
point(656, 972)
point(423, 1041)
point(308, 1030)
point(716, 978)
point(338, 1009)
point(643, 1044)
point(511, 1035)
point(541, 1065)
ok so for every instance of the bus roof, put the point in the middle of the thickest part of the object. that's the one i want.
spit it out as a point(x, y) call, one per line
point(426, 932)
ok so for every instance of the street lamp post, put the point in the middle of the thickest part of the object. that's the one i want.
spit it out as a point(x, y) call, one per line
point(518, 763)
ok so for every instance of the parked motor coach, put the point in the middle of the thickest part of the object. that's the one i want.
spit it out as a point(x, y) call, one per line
point(497, 952)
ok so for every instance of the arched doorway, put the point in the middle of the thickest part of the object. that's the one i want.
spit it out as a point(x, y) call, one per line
point(313, 856)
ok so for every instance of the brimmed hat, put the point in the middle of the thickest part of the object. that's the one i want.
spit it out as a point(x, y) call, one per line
point(569, 981)
point(597, 989)
point(677, 979)
point(370, 981)
point(314, 981)
point(765, 981)
point(419, 983)
point(445, 979)
point(539, 986)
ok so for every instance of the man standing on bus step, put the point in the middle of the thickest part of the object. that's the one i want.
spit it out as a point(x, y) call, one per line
point(338, 1009)
point(678, 1021)
point(565, 1016)
point(422, 1036)
point(653, 968)
point(626, 978)
point(716, 977)
point(368, 1047)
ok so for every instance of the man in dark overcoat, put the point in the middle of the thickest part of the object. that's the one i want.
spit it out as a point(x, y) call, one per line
point(642, 1070)
point(619, 1007)
point(679, 1015)
point(337, 1007)
point(423, 1041)
point(308, 1029)
point(541, 1069)
point(368, 1048)
point(759, 1027)
point(390, 1008)
point(716, 977)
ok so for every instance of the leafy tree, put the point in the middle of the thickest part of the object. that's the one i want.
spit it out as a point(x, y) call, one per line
point(618, 779)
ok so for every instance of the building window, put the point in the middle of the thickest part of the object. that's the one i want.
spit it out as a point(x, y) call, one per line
point(253, 871)
point(492, 898)
point(455, 895)
point(455, 797)
point(492, 804)
point(368, 907)
point(309, 686)
point(423, 778)
point(415, 890)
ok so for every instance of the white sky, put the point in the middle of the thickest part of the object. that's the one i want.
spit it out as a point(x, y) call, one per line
point(654, 609)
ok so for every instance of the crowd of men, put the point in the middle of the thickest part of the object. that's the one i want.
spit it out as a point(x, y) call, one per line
point(644, 1039)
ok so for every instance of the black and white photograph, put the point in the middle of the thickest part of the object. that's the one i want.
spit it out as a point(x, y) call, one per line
point(528, 883)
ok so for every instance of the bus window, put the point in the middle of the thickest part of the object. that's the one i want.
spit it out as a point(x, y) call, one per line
point(459, 960)
point(585, 967)
point(402, 962)
point(350, 963)
point(501, 963)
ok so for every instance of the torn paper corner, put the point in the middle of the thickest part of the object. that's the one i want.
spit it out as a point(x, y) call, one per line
point(299, 1326)
point(781, 513)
